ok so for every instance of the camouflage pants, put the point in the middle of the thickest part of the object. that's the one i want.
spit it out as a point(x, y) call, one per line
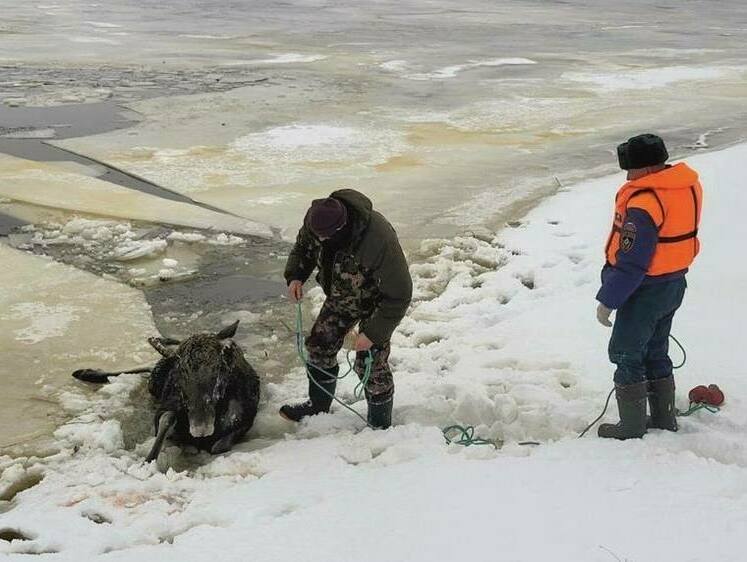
point(327, 337)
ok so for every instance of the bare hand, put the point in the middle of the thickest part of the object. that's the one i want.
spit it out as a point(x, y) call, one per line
point(603, 315)
point(295, 291)
point(362, 343)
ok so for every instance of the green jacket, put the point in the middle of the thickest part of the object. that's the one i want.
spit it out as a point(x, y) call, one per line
point(384, 291)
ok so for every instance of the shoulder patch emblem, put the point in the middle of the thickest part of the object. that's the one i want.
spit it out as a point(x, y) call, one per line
point(627, 236)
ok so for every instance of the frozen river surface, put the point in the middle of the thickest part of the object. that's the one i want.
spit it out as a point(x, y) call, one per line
point(453, 117)
point(449, 114)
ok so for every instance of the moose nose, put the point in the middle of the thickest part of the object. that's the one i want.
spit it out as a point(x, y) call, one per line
point(201, 429)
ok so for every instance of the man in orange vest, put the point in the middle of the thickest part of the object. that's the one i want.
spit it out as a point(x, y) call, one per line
point(653, 242)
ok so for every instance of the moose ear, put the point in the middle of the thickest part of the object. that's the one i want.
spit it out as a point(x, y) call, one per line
point(159, 344)
point(170, 341)
point(228, 332)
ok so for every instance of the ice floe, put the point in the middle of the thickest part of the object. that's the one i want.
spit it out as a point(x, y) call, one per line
point(52, 186)
point(55, 319)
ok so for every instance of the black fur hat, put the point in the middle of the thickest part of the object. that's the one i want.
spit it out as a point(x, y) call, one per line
point(642, 151)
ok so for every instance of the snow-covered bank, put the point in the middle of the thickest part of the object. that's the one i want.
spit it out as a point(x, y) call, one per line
point(503, 336)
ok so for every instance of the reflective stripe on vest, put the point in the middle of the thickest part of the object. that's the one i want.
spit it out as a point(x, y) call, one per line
point(678, 203)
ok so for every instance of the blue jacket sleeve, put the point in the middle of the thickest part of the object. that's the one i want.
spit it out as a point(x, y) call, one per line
point(637, 247)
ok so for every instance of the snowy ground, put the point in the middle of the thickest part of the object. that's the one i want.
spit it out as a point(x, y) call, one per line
point(502, 336)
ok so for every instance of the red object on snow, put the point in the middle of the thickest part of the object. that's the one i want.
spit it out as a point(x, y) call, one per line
point(698, 394)
point(715, 396)
point(710, 395)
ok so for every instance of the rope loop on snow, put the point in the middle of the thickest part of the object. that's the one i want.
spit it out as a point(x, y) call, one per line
point(464, 435)
point(682, 349)
point(600, 416)
point(696, 406)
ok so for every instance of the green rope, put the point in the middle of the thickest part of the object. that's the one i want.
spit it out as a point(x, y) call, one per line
point(360, 388)
point(682, 349)
point(464, 435)
point(696, 406)
point(600, 416)
point(607, 402)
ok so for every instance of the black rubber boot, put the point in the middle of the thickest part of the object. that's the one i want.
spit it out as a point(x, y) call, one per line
point(319, 401)
point(380, 412)
point(661, 404)
point(631, 401)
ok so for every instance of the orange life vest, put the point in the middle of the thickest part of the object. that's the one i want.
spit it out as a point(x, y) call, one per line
point(673, 197)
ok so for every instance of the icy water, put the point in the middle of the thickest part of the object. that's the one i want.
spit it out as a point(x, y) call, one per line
point(453, 117)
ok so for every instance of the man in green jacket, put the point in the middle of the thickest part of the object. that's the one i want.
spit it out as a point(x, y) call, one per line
point(366, 281)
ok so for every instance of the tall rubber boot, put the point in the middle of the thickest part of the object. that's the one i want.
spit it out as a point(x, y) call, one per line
point(631, 401)
point(661, 404)
point(380, 411)
point(320, 399)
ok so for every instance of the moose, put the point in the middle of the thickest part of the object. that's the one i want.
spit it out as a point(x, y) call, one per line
point(206, 391)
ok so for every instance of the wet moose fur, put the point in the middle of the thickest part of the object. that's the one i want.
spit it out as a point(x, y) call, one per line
point(207, 392)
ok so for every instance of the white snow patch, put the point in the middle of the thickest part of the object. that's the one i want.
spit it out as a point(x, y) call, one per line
point(702, 141)
point(106, 435)
point(453, 70)
point(224, 239)
point(318, 142)
point(294, 137)
point(649, 78)
point(630, 26)
point(166, 274)
point(275, 199)
point(206, 36)
point(44, 321)
point(97, 40)
point(103, 24)
point(88, 228)
point(136, 249)
point(189, 237)
point(394, 65)
point(286, 58)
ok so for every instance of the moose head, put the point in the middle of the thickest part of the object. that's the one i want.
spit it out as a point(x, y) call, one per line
point(201, 369)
